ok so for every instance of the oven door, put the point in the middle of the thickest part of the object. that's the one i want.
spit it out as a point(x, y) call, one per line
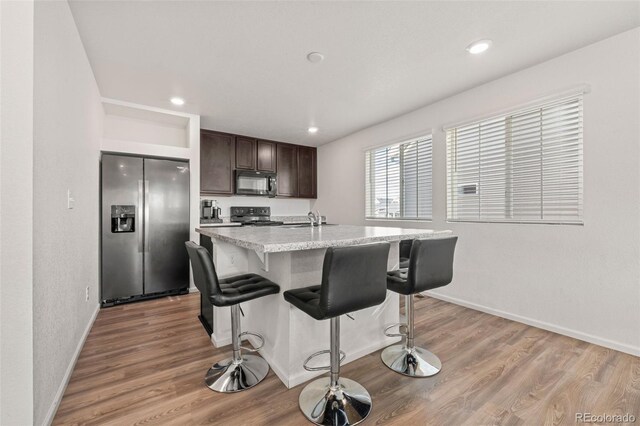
point(255, 183)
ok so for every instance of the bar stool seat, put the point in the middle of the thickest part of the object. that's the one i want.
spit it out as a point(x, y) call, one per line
point(405, 253)
point(240, 371)
point(307, 299)
point(397, 281)
point(242, 288)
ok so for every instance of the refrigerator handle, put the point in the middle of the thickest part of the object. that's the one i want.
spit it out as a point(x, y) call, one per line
point(146, 216)
point(139, 216)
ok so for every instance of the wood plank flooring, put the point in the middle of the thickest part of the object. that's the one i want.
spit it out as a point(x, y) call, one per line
point(144, 363)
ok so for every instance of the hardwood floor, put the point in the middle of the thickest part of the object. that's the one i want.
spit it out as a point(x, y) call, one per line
point(144, 363)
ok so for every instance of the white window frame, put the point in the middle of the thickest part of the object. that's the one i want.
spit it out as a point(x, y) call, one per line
point(507, 115)
point(369, 178)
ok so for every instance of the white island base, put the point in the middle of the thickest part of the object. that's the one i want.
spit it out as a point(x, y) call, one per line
point(291, 335)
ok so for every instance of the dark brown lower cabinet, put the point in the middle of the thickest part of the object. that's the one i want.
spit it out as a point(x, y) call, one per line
point(307, 172)
point(206, 308)
point(287, 170)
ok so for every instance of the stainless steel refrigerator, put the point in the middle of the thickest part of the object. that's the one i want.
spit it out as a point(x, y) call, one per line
point(145, 223)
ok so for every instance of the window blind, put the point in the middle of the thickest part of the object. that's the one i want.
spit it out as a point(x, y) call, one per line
point(522, 167)
point(398, 181)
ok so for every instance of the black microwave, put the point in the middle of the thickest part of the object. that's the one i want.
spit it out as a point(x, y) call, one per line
point(256, 183)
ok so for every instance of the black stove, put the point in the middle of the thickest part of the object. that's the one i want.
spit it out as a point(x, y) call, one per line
point(263, 223)
point(253, 216)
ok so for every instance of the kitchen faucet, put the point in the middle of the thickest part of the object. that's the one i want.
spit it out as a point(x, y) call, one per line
point(314, 218)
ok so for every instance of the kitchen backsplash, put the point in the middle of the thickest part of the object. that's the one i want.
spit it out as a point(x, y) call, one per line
point(279, 206)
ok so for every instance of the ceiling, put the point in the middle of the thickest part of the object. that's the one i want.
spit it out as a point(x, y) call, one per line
point(242, 65)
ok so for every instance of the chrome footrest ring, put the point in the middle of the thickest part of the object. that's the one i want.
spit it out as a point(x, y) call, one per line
point(324, 367)
point(400, 334)
point(256, 335)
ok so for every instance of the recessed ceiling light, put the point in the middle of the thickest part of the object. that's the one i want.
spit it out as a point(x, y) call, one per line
point(315, 57)
point(313, 129)
point(177, 101)
point(479, 46)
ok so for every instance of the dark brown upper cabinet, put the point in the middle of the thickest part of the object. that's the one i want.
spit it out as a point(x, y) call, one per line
point(245, 153)
point(266, 156)
point(222, 153)
point(287, 169)
point(217, 158)
point(307, 172)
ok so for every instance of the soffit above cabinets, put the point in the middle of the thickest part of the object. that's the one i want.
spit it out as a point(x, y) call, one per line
point(243, 65)
point(128, 125)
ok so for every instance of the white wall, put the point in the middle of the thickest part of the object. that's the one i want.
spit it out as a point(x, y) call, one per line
point(16, 202)
point(279, 206)
point(118, 127)
point(583, 281)
point(67, 131)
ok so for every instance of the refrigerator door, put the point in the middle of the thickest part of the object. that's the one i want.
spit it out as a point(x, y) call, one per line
point(122, 267)
point(166, 263)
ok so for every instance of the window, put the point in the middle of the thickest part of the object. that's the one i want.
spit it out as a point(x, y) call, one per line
point(398, 181)
point(522, 167)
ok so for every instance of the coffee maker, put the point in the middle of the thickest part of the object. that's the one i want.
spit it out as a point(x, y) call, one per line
point(209, 211)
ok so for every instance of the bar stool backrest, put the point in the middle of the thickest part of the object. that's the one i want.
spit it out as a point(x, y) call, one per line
point(204, 271)
point(431, 264)
point(353, 278)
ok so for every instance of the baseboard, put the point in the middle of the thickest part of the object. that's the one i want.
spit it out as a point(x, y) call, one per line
point(67, 375)
point(223, 341)
point(596, 340)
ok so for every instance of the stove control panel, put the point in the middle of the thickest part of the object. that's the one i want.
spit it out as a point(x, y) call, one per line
point(251, 211)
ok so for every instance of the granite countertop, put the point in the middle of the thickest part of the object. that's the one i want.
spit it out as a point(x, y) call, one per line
point(226, 221)
point(220, 225)
point(272, 239)
point(288, 220)
point(295, 219)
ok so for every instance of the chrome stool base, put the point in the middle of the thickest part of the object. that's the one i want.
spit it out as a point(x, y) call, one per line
point(414, 362)
point(227, 377)
point(347, 404)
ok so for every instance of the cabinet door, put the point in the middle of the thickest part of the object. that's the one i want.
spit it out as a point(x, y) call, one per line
point(245, 153)
point(266, 156)
point(287, 166)
point(307, 185)
point(217, 158)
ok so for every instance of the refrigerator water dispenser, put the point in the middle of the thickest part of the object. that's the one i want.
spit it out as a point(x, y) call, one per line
point(123, 218)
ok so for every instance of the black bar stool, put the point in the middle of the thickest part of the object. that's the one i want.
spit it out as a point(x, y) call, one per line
point(430, 266)
point(239, 372)
point(353, 278)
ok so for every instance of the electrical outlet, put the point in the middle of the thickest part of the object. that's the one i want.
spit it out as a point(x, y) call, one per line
point(71, 201)
point(86, 294)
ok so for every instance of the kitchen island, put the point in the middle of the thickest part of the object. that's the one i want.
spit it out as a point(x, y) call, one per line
point(292, 256)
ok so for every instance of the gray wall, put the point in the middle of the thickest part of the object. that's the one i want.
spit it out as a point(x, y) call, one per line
point(577, 280)
point(16, 200)
point(67, 131)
